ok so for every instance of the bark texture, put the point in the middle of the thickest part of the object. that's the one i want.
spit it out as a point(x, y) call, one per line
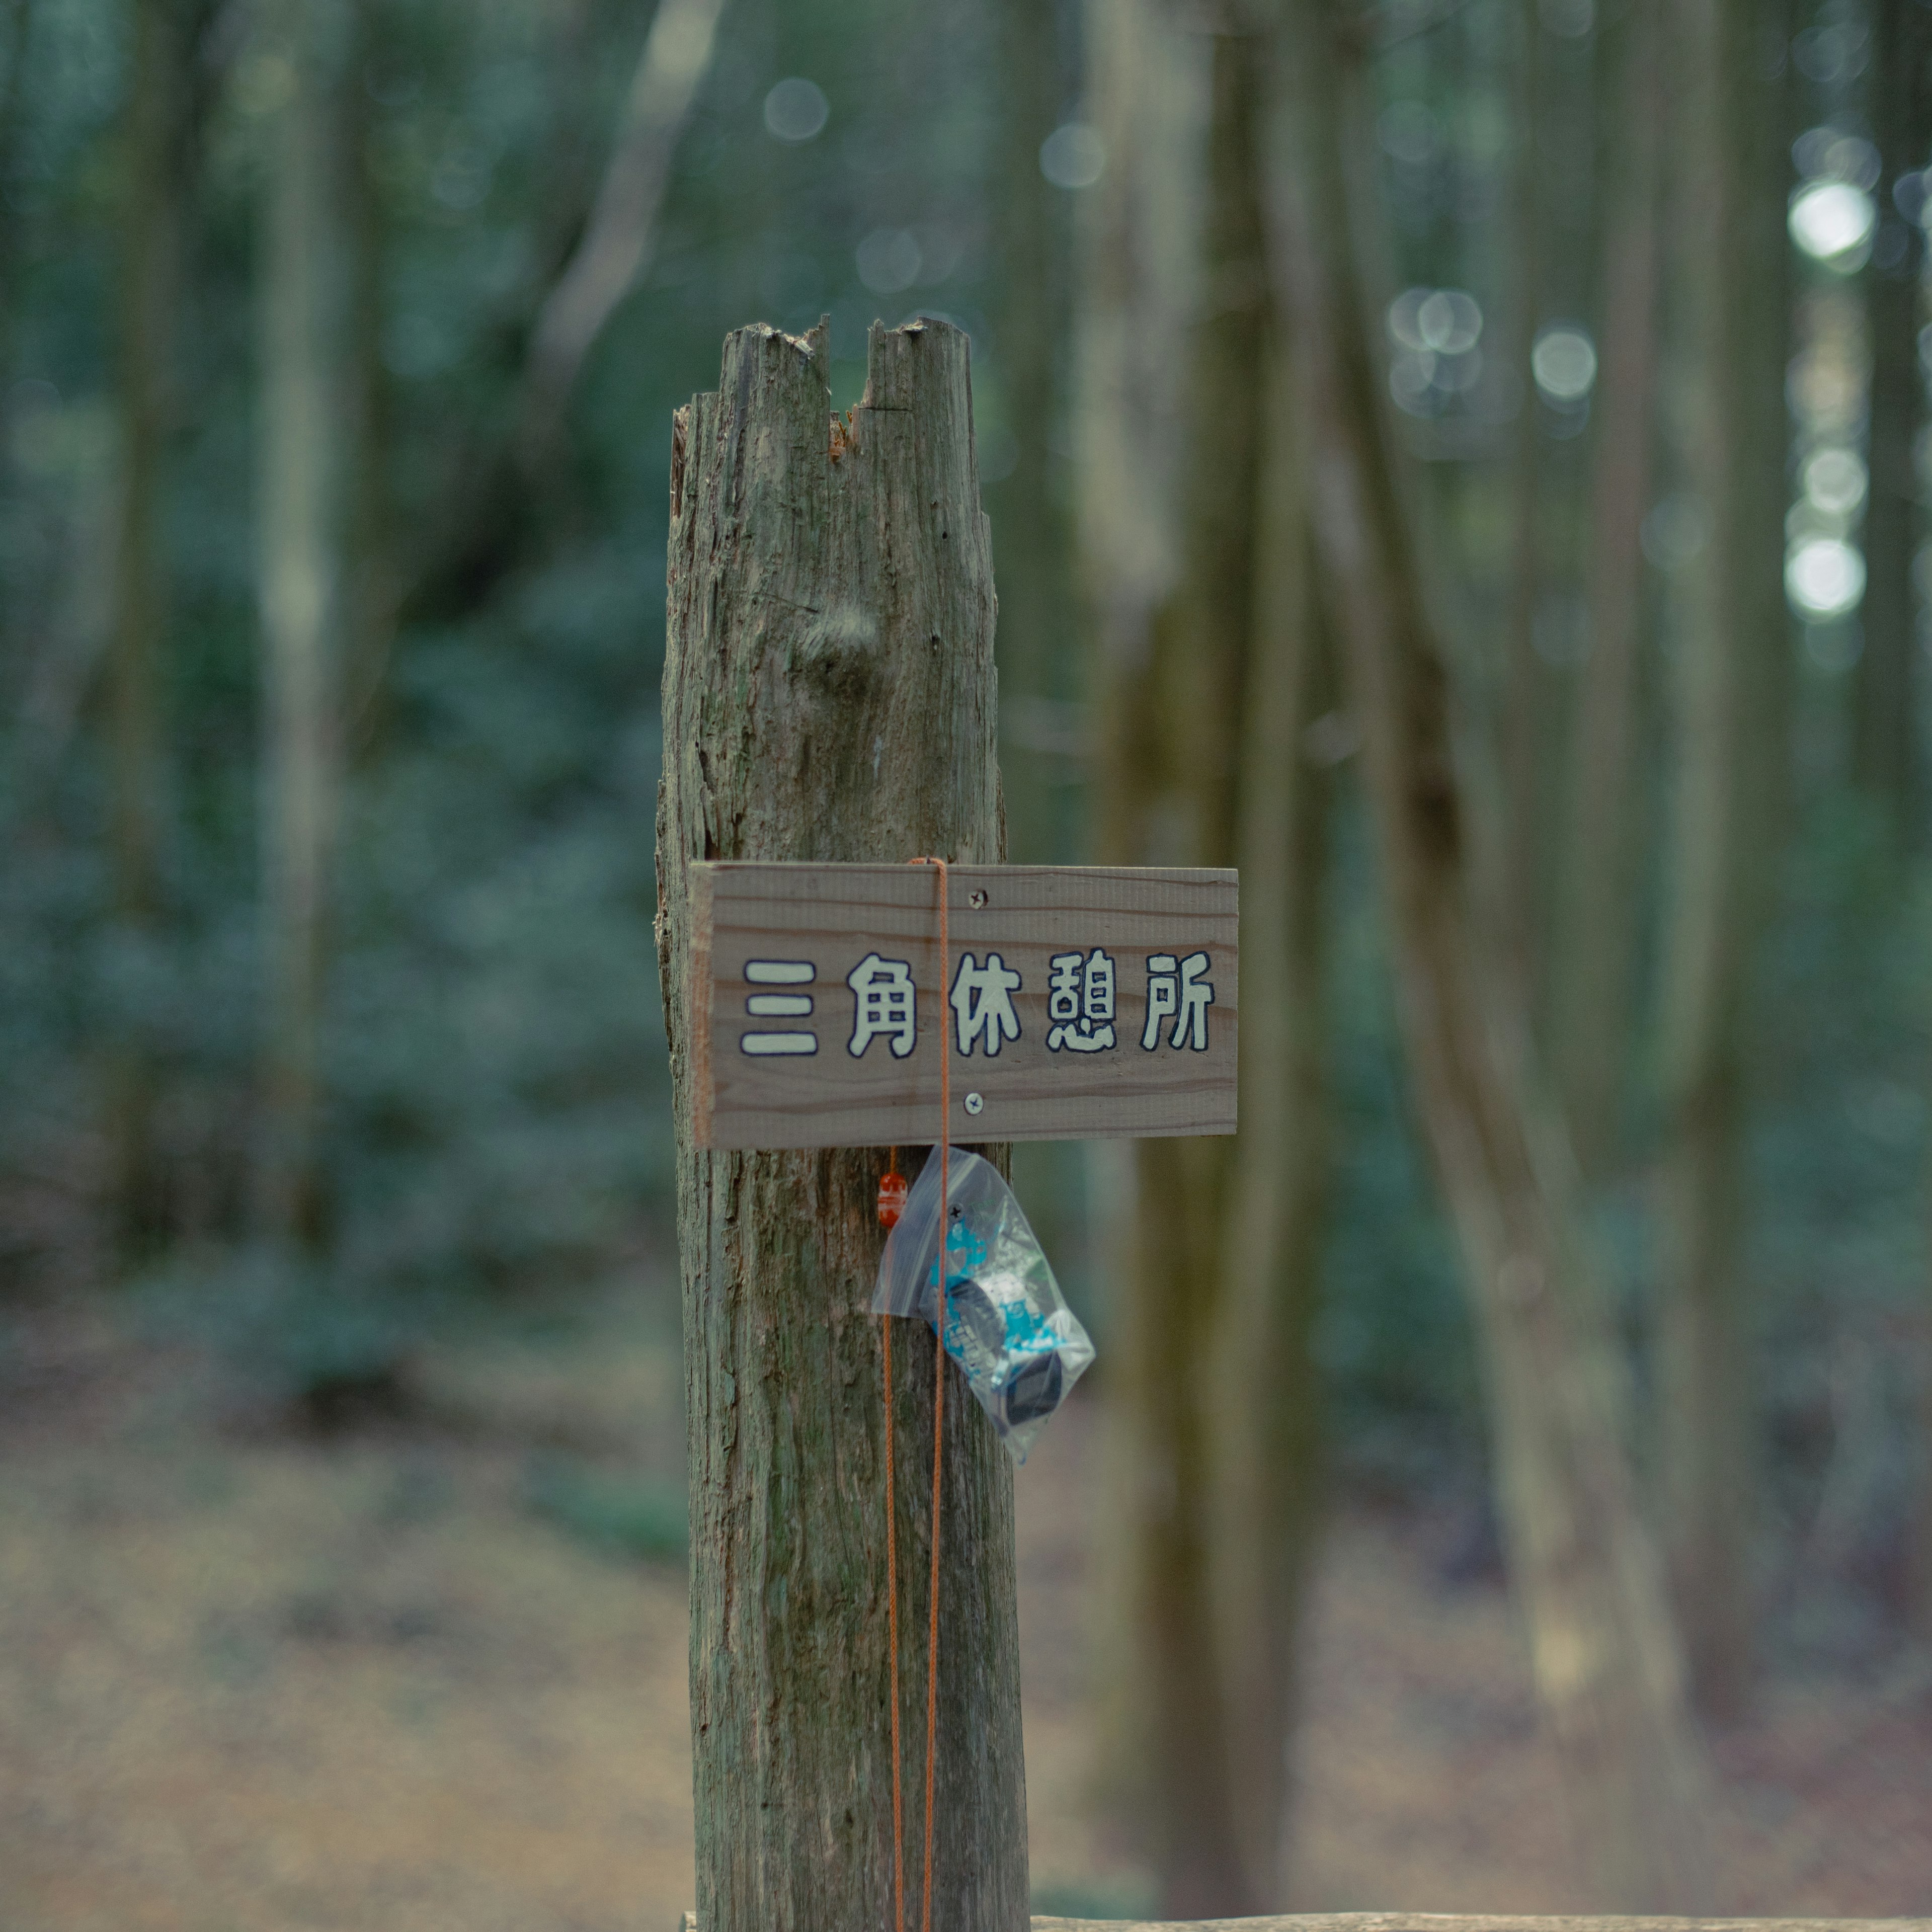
point(1584, 1568)
point(1729, 672)
point(828, 694)
point(304, 401)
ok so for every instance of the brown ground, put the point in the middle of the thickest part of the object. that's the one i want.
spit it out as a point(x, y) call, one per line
point(250, 1681)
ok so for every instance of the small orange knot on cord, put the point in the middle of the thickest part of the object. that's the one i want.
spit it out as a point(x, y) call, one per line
point(891, 1194)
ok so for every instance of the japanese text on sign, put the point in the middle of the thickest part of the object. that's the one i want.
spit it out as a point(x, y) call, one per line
point(1080, 1003)
point(1071, 1001)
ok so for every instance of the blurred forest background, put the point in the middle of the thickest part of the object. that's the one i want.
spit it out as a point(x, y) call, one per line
point(1517, 403)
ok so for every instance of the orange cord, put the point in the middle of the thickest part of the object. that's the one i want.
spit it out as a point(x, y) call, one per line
point(938, 1454)
point(938, 1381)
point(892, 1630)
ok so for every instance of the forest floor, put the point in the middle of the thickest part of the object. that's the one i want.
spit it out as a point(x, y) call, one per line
point(253, 1679)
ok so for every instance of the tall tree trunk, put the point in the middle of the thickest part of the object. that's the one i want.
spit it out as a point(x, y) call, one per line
point(1919, 1528)
point(490, 516)
point(1525, 696)
point(1887, 717)
point(1585, 1570)
point(1031, 536)
point(1265, 1412)
point(1036, 648)
point(1596, 960)
point(16, 36)
point(1207, 676)
point(1149, 92)
point(157, 112)
point(618, 237)
point(1730, 674)
point(1183, 807)
point(303, 316)
point(373, 574)
point(828, 694)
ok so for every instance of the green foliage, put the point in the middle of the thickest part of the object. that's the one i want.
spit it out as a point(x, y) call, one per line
point(1095, 1898)
point(1394, 1339)
point(1839, 1251)
point(623, 1515)
point(494, 1071)
point(496, 1117)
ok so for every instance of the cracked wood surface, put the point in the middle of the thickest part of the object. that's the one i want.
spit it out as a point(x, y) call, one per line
point(829, 696)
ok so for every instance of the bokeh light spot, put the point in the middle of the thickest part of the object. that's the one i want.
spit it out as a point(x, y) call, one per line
point(1824, 577)
point(1830, 153)
point(1564, 362)
point(1832, 221)
point(1073, 155)
point(1568, 19)
point(889, 260)
point(796, 110)
point(1445, 322)
point(1676, 530)
point(1408, 132)
point(1835, 482)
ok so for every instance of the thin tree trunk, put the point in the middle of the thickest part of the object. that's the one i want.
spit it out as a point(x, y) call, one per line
point(374, 585)
point(489, 514)
point(1730, 671)
point(1585, 1572)
point(617, 240)
point(1195, 532)
point(1265, 1408)
point(1031, 538)
point(828, 694)
point(16, 36)
point(150, 233)
point(1185, 805)
point(1888, 709)
point(1150, 94)
point(302, 599)
point(1037, 646)
point(1595, 965)
point(1919, 1528)
point(1886, 715)
point(1525, 697)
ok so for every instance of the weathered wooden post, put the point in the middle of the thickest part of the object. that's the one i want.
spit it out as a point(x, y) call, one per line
point(829, 695)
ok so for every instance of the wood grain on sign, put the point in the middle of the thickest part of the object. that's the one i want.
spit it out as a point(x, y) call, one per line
point(805, 963)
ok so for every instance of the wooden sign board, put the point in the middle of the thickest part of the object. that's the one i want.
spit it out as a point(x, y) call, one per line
point(1084, 1003)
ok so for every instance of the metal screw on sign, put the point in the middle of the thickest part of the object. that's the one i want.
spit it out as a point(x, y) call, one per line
point(974, 1103)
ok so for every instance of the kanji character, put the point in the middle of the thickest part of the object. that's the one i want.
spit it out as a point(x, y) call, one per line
point(885, 1003)
point(981, 1000)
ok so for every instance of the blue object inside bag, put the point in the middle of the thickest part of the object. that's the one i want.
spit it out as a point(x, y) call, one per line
point(1007, 1326)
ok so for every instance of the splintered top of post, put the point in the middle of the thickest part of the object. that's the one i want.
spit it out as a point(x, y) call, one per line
point(1077, 1002)
point(829, 648)
point(922, 368)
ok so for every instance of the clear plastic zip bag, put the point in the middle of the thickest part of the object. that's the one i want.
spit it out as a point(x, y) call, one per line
point(1006, 1325)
